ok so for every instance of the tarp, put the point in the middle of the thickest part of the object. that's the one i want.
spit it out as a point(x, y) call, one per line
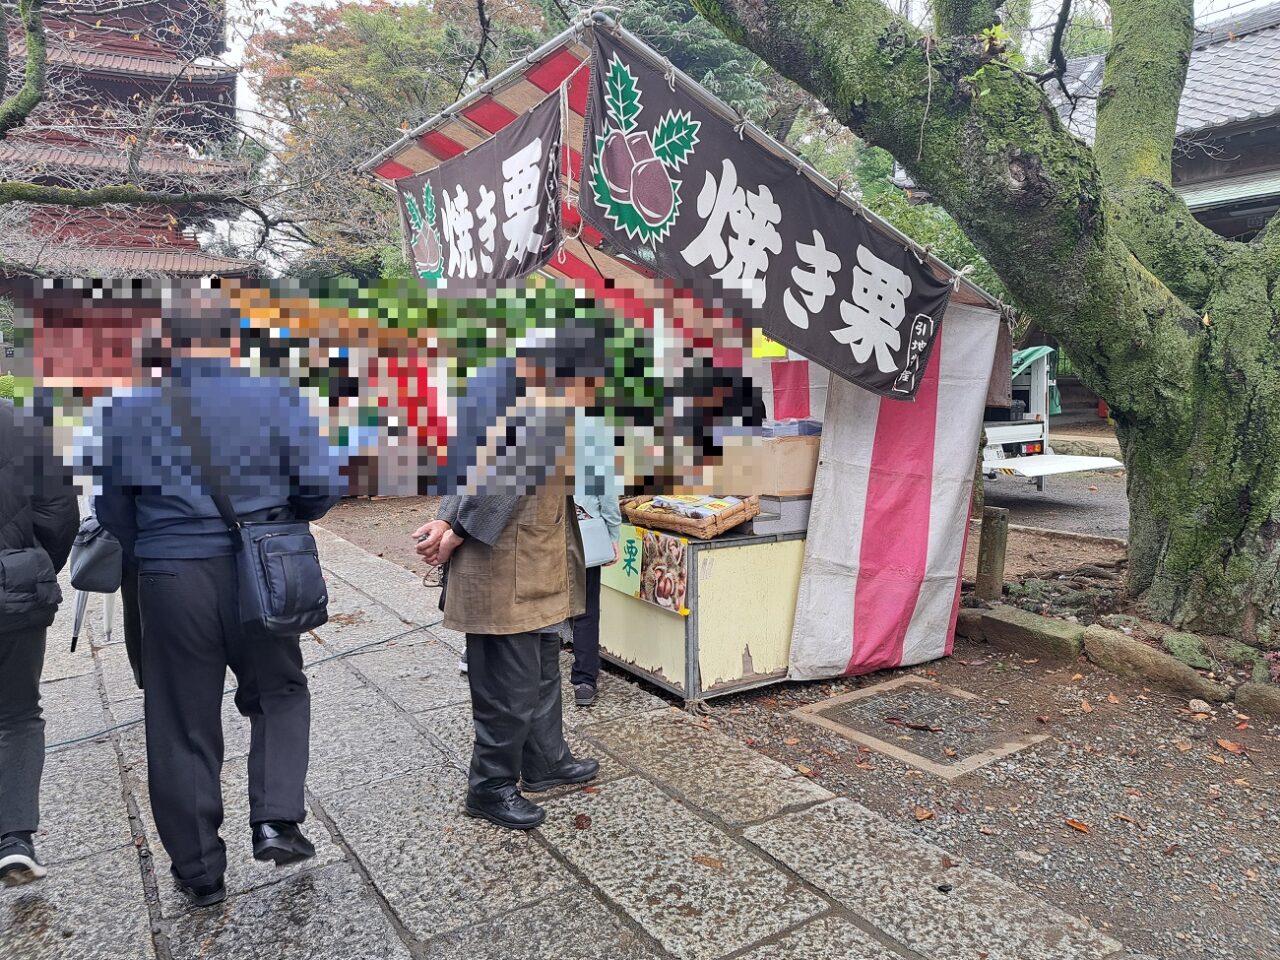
point(880, 585)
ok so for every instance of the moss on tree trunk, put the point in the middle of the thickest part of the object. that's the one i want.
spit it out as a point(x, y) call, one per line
point(1177, 329)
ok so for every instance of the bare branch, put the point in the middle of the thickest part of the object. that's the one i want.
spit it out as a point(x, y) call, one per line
point(15, 110)
point(1056, 55)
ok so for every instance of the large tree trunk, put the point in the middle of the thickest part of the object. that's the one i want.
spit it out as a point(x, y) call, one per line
point(1177, 329)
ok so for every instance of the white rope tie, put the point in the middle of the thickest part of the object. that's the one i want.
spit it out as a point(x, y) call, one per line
point(960, 275)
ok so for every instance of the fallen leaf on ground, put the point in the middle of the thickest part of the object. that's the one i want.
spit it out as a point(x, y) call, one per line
point(948, 863)
point(803, 770)
point(1077, 825)
point(1171, 849)
point(863, 765)
point(1182, 745)
point(1078, 676)
point(923, 814)
point(949, 751)
point(706, 861)
point(1242, 725)
point(1121, 816)
point(791, 741)
point(986, 831)
point(582, 822)
point(1231, 746)
point(590, 789)
point(1112, 698)
point(1043, 718)
point(1085, 707)
point(1216, 759)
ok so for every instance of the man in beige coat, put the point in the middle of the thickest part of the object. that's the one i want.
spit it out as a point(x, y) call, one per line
point(515, 579)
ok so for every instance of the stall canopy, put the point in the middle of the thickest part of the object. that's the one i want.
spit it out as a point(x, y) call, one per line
point(676, 185)
point(657, 178)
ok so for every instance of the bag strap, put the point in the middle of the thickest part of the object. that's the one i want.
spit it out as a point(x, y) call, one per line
point(184, 419)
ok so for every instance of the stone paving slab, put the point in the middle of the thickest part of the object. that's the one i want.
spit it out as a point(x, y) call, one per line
point(83, 810)
point(318, 915)
point(243, 872)
point(573, 925)
point(616, 698)
point(826, 938)
point(359, 738)
point(90, 909)
point(419, 675)
point(72, 708)
point(918, 894)
point(438, 869)
point(699, 892)
point(381, 580)
point(676, 750)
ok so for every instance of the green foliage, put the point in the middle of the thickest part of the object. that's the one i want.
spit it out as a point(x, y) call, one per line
point(1087, 35)
point(6, 386)
point(933, 227)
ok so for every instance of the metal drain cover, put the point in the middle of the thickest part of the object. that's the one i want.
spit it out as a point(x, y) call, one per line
point(942, 730)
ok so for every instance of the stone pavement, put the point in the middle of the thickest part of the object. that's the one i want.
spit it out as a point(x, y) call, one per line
point(691, 845)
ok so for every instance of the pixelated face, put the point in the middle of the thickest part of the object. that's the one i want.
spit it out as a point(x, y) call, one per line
point(478, 389)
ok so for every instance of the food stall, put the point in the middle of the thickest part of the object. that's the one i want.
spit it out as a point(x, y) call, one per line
point(872, 355)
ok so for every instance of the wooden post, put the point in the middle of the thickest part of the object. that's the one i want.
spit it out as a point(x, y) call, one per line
point(991, 553)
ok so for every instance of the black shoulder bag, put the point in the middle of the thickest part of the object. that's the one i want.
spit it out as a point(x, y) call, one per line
point(282, 588)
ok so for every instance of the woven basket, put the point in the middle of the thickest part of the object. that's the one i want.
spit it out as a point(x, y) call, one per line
point(703, 529)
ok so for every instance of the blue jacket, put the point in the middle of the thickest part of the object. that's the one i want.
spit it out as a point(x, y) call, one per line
point(266, 448)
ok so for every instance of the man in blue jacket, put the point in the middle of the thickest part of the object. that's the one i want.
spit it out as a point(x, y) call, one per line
point(258, 444)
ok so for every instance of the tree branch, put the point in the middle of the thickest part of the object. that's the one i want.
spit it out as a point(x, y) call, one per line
point(1142, 84)
point(14, 110)
point(995, 155)
point(1056, 55)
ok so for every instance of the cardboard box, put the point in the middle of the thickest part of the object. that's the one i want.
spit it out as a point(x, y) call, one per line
point(773, 466)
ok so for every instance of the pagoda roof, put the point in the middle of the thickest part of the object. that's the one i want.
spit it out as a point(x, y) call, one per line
point(117, 161)
point(82, 260)
point(94, 60)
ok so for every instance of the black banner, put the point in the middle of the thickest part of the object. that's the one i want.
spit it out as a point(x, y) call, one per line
point(675, 186)
point(492, 212)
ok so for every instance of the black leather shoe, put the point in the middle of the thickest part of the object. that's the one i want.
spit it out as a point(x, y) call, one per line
point(281, 842)
point(205, 895)
point(571, 771)
point(507, 809)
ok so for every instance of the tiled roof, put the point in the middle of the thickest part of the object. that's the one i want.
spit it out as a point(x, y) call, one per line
point(1233, 77)
point(81, 259)
point(108, 61)
point(57, 156)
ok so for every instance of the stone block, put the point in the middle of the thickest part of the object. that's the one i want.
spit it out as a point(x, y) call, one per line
point(91, 909)
point(690, 886)
point(1259, 700)
point(320, 915)
point(438, 869)
point(1032, 635)
point(1188, 648)
point(709, 770)
point(913, 892)
point(1133, 658)
point(969, 624)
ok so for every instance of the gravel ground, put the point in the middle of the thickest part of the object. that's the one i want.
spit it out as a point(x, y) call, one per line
point(1182, 854)
point(1091, 503)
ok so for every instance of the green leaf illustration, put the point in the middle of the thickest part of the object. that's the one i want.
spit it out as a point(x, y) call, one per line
point(415, 215)
point(429, 203)
point(622, 96)
point(675, 138)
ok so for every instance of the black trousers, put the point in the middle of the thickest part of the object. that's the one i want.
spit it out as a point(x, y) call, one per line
point(586, 635)
point(515, 704)
point(21, 729)
point(191, 633)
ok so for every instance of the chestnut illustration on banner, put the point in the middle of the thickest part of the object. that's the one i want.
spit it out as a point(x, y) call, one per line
point(636, 175)
point(426, 249)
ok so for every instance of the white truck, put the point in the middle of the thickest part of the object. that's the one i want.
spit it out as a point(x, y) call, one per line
point(1018, 446)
